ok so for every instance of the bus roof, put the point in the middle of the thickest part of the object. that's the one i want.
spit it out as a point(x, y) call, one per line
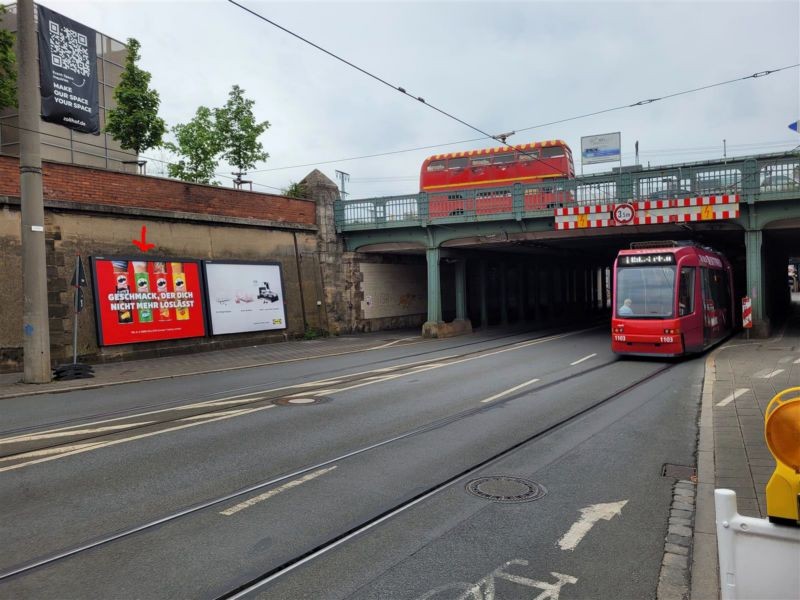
point(499, 150)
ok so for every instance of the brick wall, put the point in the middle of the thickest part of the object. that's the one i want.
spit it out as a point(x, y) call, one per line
point(98, 186)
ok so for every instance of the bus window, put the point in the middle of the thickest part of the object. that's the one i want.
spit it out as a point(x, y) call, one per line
point(527, 155)
point(504, 159)
point(458, 163)
point(436, 165)
point(686, 292)
point(552, 152)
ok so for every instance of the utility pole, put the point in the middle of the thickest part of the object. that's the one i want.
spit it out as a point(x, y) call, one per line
point(35, 325)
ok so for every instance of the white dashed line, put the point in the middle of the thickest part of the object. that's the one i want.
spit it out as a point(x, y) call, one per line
point(580, 360)
point(508, 391)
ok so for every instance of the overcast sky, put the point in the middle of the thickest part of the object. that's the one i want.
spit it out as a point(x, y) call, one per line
point(498, 66)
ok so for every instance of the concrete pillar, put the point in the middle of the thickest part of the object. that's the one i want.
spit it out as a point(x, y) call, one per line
point(484, 275)
point(461, 290)
point(604, 286)
point(755, 281)
point(431, 327)
point(503, 294)
point(523, 297)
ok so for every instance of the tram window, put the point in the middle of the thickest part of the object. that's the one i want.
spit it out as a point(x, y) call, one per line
point(552, 152)
point(645, 292)
point(458, 163)
point(481, 162)
point(436, 165)
point(686, 292)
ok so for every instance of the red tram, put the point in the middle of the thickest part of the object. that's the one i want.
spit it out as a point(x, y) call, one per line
point(492, 171)
point(670, 299)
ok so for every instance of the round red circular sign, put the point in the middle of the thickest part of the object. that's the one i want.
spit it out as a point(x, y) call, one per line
point(624, 213)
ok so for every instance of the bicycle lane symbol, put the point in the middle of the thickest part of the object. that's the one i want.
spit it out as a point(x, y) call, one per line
point(485, 589)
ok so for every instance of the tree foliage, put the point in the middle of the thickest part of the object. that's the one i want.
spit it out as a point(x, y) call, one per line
point(135, 123)
point(198, 144)
point(239, 131)
point(296, 190)
point(8, 67)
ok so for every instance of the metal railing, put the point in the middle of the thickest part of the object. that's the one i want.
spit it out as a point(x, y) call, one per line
point(763, 177)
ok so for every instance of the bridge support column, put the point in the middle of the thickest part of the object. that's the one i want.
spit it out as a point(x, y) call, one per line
point(503, 294)
point(523, 297)
point(431, 327)
point(755, 282)
point(604, 287)
point(461, 290)
point(484, 275)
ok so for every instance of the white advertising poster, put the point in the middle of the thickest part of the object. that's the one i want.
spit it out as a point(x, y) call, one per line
point(605, 147)
point(244, 297)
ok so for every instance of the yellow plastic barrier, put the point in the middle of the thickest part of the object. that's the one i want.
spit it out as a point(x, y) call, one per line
point(782, 431)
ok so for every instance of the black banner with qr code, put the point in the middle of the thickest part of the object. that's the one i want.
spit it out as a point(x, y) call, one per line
point(68, 72)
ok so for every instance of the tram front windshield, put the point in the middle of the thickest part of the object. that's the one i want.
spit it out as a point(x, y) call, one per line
point(645, 292)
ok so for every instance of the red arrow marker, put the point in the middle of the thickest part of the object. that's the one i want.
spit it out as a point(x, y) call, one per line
point(142, 244)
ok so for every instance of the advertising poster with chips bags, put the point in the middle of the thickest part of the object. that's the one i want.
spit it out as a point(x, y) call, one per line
point(244, 296)
point(147, 300)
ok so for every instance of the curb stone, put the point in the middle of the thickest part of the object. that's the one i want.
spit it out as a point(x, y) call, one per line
point(673, 580)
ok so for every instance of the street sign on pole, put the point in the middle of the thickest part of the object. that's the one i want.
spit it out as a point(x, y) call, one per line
point(76, 370)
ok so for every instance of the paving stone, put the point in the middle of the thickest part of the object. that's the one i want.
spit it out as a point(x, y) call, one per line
point(682, 506)
point(678, 540)
point(681, 514)
point(675, 549)
point(680, 530)
point(681, 522)
point(673, 576)
point(676, 560)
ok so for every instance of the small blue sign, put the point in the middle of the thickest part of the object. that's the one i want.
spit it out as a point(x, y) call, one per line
point(793, 126)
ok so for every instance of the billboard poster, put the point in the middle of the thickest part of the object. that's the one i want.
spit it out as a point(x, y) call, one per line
point(244, 297)
point(68, 72)
point(606, 147)
point(147, 300)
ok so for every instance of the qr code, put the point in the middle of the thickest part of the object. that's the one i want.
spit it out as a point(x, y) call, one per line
point(69, 50)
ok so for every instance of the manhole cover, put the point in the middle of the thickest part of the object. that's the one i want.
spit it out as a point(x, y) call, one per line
point(678, 471)
point(302, 401)
point(506, 489)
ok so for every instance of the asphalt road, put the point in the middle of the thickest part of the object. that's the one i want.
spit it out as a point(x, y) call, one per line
point(345, 477)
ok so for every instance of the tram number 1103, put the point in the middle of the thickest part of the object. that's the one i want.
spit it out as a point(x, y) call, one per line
point(667, 339)
point(619, 338)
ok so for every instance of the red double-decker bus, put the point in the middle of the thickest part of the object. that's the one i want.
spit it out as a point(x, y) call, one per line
point(670, 299)
point(492, 171)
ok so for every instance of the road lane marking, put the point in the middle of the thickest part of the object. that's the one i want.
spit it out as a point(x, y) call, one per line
point(56, 434)
point(60, 452)
point(274, 492)
point(394, 342)
point(509, 390)
point(730, 398)
point(589, 517)
point(580, 360)
point(797, 362)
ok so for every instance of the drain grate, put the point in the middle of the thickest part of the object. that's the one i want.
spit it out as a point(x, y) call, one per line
point(506, 489)
point(679, 472)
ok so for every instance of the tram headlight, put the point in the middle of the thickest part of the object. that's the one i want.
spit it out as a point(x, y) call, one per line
point(782, 432)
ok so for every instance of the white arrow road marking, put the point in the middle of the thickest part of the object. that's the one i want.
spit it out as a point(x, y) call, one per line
point(580, 360)
point(767, 373)
point(728, 399)
point(509, 390)
point(267, 495)
point(589, 516)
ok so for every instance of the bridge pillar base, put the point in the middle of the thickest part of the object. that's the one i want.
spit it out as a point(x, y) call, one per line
point(432, 329)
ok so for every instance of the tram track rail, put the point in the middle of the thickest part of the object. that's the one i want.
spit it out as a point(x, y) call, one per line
point(254, 388)
point(210, 406)
point(251, 585)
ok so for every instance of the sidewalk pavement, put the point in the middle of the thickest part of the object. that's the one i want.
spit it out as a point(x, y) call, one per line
point(114, 373)
point(742, 376)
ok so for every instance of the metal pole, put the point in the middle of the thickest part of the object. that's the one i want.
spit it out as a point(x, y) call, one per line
point(36, 329)
point(75, 307)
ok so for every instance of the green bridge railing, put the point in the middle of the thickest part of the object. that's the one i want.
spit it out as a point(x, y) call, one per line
point(757, 178)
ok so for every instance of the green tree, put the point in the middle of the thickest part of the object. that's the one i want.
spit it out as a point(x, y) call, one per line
point(198, 144)
point(8, 67)
point(135, 123)
point(239, 131)
point(296, 190)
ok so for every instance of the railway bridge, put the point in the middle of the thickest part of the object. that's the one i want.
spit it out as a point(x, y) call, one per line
point(496, 257)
